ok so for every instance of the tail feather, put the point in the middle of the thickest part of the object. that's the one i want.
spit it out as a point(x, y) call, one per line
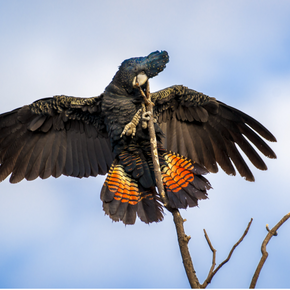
point(127, 213)
point(182, 180)
point(123, 197)
point(150, 209)
point(129, 189)
point(138, 168)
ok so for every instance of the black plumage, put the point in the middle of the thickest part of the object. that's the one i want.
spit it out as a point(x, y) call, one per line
point(84, 137)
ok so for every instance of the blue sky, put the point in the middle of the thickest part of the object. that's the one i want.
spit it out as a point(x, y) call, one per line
point(53, 232)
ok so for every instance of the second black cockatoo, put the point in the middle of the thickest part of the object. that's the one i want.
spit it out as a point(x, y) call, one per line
point(84, 137)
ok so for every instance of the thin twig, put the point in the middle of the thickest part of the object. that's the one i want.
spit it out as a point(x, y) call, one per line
point(212, 272)
point(271, 233)
point(183, 239)
point(209, 276)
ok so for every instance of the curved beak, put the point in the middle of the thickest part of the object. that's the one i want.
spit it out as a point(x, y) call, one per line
point(140, 79)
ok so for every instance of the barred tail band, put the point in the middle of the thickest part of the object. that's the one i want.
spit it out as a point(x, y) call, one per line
point(124, 188)
point(123, 197)
point(182, 180)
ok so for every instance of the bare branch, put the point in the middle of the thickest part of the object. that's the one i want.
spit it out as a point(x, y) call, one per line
point(183, 239)
point(271, 233)
point(212, 272)
point(153, 143)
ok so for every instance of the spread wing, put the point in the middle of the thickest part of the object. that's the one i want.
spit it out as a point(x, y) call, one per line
point(54, 136)
point(208, 131)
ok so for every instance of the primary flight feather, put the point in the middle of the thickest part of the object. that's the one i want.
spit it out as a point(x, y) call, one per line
point(84, 137)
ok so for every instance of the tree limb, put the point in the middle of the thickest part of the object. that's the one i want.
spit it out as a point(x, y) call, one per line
point(183, 240)
point(271, 233)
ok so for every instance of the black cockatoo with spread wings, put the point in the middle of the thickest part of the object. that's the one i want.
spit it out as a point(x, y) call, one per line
point(84, 137)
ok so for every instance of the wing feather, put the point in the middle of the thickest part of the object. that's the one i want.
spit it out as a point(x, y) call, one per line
point(87, 165)
point(220, 150)
point(256, 140)
point(54, 136)
point(9, 157)
point(68, 168)
point(76, 153)
point(239, 162)
point(180, 138)
point(33, 167)
point(100, 156)
point(45, 166)
point(209, 131)
point(61, 157)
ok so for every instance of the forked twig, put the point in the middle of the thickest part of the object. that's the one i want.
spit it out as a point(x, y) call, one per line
point(212, 270)
point(271, 233)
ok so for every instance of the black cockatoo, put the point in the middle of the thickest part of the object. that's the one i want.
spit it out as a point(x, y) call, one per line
point(84, 137)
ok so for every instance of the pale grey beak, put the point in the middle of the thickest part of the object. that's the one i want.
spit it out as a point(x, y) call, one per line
point(140, 79)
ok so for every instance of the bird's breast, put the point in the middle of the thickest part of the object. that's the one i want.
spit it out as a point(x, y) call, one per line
point(118, 112)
